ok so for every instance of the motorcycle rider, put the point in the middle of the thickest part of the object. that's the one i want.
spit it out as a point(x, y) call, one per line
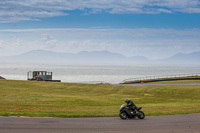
point(130, 104)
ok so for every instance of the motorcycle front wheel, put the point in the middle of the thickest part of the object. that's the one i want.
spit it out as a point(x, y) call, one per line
point(140, 115)
point(123, 115)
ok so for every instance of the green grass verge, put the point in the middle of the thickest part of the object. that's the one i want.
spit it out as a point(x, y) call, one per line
point(50, 99)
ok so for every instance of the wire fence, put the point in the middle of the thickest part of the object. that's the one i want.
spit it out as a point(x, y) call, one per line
point(160, 77)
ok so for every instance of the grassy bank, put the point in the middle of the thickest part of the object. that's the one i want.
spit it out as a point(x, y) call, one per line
point(32, 98)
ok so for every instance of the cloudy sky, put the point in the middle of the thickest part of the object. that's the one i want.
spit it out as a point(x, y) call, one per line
point(152, 28)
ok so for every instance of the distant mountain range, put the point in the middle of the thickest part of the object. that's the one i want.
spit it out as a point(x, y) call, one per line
point(191, 58)
point(97, 57)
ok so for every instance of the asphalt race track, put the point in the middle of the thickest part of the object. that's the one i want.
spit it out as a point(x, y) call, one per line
point(189, 123)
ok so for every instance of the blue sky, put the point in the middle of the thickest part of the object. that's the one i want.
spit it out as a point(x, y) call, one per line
point(152, 28)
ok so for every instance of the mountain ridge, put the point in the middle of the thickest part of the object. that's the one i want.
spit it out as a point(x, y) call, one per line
point(193, 58)
point(98, 57)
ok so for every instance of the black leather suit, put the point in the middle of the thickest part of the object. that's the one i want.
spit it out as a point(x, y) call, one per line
point(131, 105)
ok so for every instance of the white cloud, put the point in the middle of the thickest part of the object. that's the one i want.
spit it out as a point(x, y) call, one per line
point(12, 11)
point(48, 41)
point(46, 37)
point(2, 44)
point(190, 10)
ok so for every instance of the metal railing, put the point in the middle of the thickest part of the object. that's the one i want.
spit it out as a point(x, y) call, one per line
point(160, 77)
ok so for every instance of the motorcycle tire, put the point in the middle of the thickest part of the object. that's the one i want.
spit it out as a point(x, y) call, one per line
point(140, 115)
point(123, 115)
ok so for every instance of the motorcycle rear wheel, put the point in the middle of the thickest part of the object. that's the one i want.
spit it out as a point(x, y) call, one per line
point(140, 115)
point(123, 115)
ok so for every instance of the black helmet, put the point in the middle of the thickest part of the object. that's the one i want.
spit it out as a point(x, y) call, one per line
point(127, 100)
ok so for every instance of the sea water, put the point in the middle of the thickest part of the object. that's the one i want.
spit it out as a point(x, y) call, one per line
point(113, 74)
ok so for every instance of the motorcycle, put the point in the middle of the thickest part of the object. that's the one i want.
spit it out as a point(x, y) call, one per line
point(126, 112)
